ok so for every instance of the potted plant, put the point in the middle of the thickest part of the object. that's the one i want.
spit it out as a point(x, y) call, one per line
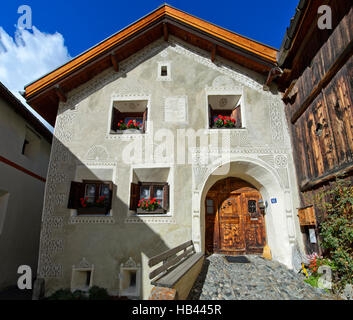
point(132, 126)
point(149, 205)
point(224, 122)
point(97, 207)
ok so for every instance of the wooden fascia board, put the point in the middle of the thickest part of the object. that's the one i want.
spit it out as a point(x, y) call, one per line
point(74, 71)
point(247, 45)
point(92, 53)
point(233, 38)
point(222, 43)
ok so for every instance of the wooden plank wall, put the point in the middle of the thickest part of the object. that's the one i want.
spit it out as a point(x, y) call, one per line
point(322, 132)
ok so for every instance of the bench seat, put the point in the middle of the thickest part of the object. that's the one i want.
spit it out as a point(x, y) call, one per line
point(172, 277)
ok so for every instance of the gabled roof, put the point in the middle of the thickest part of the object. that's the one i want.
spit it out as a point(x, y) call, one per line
point(20, 109)
point(44, 94)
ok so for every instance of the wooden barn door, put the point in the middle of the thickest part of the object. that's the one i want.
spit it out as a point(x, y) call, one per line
point(234, 223)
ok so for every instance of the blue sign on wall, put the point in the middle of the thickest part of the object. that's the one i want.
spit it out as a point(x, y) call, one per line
point(274, 200)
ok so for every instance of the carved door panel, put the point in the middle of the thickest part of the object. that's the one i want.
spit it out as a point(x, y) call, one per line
point(254, 226)
point(234, 223)
point(231, 232)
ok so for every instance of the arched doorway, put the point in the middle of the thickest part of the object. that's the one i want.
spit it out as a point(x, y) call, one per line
point(234, 223)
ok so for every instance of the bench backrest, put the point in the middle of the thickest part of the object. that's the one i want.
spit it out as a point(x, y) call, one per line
point(170, 258)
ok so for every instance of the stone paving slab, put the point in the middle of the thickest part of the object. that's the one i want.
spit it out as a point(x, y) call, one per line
point(259, 280)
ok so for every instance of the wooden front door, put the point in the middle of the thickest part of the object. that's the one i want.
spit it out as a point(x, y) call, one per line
point(234, 223)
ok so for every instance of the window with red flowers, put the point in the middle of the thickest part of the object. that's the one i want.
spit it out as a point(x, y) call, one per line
point(129, 115)
point(224, 112)
point(91, 197)
point(149, 198)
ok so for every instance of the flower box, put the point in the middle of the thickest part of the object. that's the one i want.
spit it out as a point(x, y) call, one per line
point(128, 131)
point(93, 210)
point(157, 211)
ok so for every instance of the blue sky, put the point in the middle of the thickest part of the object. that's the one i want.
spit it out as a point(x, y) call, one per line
point(63, 29)
point(84, 23)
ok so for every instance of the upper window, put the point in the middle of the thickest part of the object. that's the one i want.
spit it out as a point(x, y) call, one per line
point(31, 144)
point(149, 198)
point(164, 71)
point(129, 115)
point(91, 197)
point(224, 111)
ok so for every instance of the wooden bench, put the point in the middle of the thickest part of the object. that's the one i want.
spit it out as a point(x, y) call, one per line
point(176, 263)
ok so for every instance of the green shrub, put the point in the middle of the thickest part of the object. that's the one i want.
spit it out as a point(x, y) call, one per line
point(96, 293)
point(336, 230)
point(62, 294)
point(313, 280)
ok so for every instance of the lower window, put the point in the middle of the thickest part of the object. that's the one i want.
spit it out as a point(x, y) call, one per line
point(91, 197)
point(149, 198)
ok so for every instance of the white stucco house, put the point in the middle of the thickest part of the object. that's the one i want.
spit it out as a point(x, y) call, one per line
point(171, 108)
point(25, 145)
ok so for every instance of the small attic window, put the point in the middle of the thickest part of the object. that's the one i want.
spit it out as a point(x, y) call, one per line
point(164, 71)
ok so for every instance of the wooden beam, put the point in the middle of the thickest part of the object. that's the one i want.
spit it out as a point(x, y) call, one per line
point(288, 91)
point(221, 43)
point(115, 62)
point(336, 66)
point(60, 93)
point(308, 185)
point(273, 73)
point(165, 32)
point(213, 53)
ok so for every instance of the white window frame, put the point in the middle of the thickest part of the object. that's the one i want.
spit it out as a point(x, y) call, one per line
point(225, 92)
point(130, 97)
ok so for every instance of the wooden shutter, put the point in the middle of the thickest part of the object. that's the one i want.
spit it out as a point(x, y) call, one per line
point(236, 115)
point(134, 196)
point(210, 116)
point(116, 118)
point(76, 192)
point(166, 197)
point(145, 114)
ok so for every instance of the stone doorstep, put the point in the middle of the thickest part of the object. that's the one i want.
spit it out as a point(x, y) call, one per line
point(161, 293)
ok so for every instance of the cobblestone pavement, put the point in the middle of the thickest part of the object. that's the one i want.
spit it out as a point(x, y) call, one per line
point(258, 280)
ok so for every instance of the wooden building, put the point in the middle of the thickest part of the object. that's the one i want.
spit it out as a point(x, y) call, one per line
point(317, 82)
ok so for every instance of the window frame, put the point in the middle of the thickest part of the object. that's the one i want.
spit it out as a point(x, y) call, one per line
point(118, 116)
point(78, 191)
point(152, 185)
point(234, 113)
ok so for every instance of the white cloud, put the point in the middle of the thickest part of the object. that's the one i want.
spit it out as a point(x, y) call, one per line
point(28, 56)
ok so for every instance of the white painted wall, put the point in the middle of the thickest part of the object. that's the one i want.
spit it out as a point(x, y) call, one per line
point(21, 196)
